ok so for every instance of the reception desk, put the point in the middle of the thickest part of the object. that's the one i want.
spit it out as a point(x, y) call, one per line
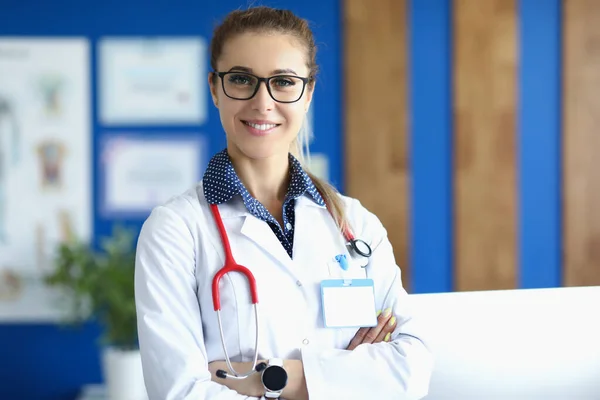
point(516, 344)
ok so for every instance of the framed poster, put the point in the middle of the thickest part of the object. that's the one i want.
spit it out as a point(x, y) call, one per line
point(140, 172)
point(152, 81)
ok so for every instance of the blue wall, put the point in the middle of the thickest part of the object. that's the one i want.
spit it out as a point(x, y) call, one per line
point(538, 144)
point(49, 362)
point(430, 99)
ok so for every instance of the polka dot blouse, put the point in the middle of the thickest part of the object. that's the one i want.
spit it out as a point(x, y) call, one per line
point(221, 184)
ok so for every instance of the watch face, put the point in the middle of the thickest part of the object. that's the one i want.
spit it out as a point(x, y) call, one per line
point(274, 378)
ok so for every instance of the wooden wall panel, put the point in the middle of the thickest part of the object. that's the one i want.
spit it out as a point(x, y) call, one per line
point(375, 115)
point(581, 142)
point(485, 110)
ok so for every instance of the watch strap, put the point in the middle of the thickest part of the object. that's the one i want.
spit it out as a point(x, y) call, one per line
point(276, 361)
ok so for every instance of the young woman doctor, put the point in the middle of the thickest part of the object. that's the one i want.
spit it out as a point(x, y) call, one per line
point(290, 230)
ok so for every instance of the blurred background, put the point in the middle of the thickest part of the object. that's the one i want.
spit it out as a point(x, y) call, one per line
point(468, 126)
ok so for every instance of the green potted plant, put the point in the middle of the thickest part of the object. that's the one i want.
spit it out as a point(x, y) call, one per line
point(99, 284)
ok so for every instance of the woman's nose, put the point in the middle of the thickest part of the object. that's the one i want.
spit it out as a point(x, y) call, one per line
point(263, 101)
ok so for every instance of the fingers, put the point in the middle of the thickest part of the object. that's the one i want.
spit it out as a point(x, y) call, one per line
point(382, 327)
point(386, 323)
point(358, 338)
point(386, 332)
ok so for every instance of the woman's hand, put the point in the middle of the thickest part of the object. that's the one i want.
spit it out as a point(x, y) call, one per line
point(380, 333)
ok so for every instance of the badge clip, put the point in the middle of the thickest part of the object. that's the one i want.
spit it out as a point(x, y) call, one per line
point(342, 261)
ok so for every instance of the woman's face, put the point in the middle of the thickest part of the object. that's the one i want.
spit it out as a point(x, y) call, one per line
point(261, 127)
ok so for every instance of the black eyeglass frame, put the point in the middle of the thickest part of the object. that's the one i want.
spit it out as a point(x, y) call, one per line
point(305, 81)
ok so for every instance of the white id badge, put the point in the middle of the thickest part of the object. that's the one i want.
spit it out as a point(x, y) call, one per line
point(348, 303)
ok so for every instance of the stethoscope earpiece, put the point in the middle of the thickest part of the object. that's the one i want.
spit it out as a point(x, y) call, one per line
point(224, 374)
point(261, 366)
point(221, 374)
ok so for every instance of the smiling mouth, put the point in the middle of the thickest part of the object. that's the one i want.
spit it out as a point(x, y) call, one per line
point(261, 127)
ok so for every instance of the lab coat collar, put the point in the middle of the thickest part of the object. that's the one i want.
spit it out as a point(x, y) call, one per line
point(261, 234)
point(234, 208)
point(306, 200)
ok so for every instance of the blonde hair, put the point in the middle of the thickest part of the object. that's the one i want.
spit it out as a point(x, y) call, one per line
point(301, 150)
point(267, 19)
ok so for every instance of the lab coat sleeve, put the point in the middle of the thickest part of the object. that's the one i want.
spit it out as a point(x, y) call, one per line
point(399, 369)
point(170, 332)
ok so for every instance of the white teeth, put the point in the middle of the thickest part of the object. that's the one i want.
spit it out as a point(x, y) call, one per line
point(261, 127)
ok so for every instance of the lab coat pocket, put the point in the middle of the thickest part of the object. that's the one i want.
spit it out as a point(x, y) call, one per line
point(336, 263)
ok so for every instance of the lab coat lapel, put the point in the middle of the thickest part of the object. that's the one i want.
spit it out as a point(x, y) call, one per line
point(257, 231)
point(309, 228)
point(260, 233)
point(312, 238)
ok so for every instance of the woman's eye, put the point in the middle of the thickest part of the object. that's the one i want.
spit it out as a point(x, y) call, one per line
point(240, 79)
point(283, 82)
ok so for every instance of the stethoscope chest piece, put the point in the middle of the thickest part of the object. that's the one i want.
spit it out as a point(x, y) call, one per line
point(360, 247)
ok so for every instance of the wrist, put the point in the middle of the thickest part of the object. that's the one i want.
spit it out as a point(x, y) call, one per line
point(296, 386)
point(256, 386)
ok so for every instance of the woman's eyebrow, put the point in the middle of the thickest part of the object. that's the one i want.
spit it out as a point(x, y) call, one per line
point(284, 71)
point(240, 68)
point(274, 72)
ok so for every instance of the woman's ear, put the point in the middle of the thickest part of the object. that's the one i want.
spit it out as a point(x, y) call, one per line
point(212, 79)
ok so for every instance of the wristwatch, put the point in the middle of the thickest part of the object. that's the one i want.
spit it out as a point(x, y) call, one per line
point(274, 378)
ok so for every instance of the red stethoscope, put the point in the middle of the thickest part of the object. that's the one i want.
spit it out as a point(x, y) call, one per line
point(357, 245)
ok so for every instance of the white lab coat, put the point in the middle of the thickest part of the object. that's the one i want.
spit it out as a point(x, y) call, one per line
point(179, 251)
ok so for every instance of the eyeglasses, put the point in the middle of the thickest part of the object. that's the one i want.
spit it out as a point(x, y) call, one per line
point(281, 88)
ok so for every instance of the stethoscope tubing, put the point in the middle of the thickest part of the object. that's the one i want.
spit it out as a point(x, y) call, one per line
point(232, 266)
point(234, 374)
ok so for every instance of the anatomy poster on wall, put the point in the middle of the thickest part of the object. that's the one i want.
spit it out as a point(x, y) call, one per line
point(44, 165)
